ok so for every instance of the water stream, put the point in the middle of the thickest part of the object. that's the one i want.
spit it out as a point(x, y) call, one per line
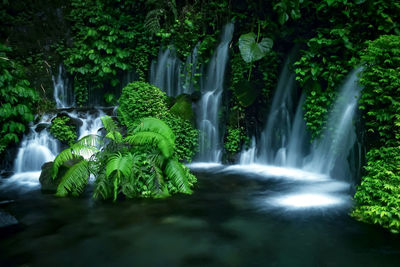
point(210, 103)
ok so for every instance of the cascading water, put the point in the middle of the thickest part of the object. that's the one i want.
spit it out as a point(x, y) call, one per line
point(284, 149)
point(61, 94)
point(210, 102)
point(167, 72)
point(39, 146)
point(330, 152)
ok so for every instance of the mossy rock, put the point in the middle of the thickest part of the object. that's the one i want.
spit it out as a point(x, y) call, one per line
point(48, 184)
point(183, 108)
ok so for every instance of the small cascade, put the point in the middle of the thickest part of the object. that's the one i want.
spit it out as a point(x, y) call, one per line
point(172, 76)
point(37, 148)
point(210, 102)
point(248, 156)
point(62, 96)
point(339, 136)
point(91, 122)
point(281, 142)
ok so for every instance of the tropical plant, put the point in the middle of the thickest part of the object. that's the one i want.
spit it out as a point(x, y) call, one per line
point(252, 49)
point(139, 165)
point(17, 100)
point(140, 99)
point(378, 196)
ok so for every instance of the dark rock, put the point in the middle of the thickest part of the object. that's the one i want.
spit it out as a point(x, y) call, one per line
point(6, 174)
point(7, 219)
point(48, 184)
point(41, 126)
point(195, 96)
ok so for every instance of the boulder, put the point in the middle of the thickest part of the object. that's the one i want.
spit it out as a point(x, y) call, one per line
point(48, 184)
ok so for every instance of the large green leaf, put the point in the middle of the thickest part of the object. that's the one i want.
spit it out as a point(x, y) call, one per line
point(251, 50)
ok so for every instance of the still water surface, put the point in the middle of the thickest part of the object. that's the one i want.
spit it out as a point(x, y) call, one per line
point(231, 220)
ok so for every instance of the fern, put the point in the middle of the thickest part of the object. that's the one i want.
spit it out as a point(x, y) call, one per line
point(112, 129)
point(103, 187)
point(75, 179)
point(86, 146)
point(177, 175)
point(151, 124)
point(152, 20)
point(152, 139)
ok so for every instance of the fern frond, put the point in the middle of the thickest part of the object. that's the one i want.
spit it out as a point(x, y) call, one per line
point(177, 175)
point(152, 20)
point(112, 129)
point(103, 187)
point(120, 164)
point(151, 124)
point(152, 139)
point(75, 179)
point(91, 140)
point(76, 151)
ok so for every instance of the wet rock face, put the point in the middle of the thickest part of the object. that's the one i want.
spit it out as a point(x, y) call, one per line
point(46, 181)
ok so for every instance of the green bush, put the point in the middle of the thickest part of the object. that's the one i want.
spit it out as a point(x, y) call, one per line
point(140, 99)
point(61, 130)
point(378, 196)
point(17, 100)
point(380, 99)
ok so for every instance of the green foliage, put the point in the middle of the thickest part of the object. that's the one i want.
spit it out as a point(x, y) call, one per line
point(380, 100)
point(332, 50)
point(17, 100)
point(232, 142)
point(378, 196)
point(252, 50)
point(139, 165)
point(183, 108)
point(139, 100)
point(61, 130)
point(108, 40)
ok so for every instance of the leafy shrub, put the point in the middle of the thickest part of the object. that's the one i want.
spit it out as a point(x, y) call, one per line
point(378, 196)
point(140, 99)
point(17, 100)
point(381, 99)
point(63, 131)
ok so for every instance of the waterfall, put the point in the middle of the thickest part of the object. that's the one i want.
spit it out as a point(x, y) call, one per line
point(330, 152)
point(210, 102)
point(285, 141)
point(36, 148)
point(167, 72)
point(62, 95)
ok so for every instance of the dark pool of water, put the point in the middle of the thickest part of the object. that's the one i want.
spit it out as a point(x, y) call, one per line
point(223, 223)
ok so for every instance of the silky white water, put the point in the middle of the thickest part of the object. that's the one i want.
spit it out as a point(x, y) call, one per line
point(210, 103)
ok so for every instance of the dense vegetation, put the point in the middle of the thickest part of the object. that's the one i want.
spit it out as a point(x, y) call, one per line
point(378, 196)
point(141, 164)
point(100, 41)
